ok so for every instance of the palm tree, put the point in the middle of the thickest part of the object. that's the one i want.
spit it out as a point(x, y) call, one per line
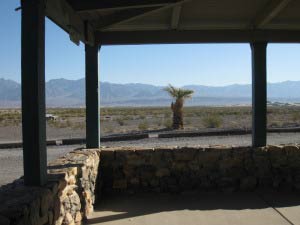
point(179, 96)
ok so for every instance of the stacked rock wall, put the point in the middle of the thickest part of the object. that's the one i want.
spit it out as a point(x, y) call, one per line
point(66, 199)
point(181, 169)
point(75, 179)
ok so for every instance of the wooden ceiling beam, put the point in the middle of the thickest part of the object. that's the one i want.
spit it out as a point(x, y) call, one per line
point(196, 36)
point(176, 16)
point(121, 16)
point(147, 12)
point(106, 5)
point(271, 10)
point(61, 13)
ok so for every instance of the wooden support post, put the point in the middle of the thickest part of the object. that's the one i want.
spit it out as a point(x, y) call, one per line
point(92, 97)
point(33, 92)
point(259, 94)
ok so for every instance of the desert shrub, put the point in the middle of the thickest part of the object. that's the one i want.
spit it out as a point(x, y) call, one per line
point(275, 124)
point(212, 121)
point(143, 125)
point(108, 129)
point(159, 122)
point(79, 125)
point(167, 115)
point(296, 116)
point(120, 121)
point(187, 121)
point(60, 123)
point(142, 117)
point(168, 123)
point(66, 113)
point(10, 118)
point(128, 117)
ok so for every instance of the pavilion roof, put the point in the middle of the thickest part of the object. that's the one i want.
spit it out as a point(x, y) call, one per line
point(177, 21)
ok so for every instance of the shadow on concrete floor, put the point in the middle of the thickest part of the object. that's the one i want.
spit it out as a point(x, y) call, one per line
point(199, 208)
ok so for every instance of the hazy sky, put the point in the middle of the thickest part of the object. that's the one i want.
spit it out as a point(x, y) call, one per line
point(212, 64)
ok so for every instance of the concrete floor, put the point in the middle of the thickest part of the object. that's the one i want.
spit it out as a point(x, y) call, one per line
point(198, 208)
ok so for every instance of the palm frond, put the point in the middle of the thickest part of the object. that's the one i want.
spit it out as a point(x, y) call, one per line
point(171, 90)
point(178, 93)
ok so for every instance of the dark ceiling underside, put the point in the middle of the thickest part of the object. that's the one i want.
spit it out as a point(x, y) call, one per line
point(177, 21)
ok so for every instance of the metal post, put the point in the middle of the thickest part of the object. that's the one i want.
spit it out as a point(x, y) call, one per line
point(259, 94)
point(33, 92)
point(92, 97)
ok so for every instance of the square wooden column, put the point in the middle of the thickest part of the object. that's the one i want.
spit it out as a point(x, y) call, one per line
point(33, 92)
point(92, 97)
point(259, 94)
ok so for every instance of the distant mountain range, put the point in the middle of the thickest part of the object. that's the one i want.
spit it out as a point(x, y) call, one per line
point(71, 93)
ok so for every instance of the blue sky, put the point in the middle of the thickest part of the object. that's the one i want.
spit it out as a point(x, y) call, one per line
point(212, 64)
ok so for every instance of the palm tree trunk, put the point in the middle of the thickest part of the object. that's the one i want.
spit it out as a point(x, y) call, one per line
point(177, 114)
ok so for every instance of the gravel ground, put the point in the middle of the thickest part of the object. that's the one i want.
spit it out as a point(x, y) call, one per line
point(14, 133)
point(11, 160)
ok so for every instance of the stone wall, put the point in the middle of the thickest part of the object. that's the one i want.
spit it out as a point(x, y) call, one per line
point(75, 179)
point(66, 199)
point(220, 168)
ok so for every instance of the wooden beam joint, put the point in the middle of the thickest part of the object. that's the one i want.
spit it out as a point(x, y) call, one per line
point(122, 16)
point(270, 11)
point(176, 16)
point(61, 13)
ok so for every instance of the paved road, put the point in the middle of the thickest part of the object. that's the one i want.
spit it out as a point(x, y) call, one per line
point(11, 160)
point(236, 140)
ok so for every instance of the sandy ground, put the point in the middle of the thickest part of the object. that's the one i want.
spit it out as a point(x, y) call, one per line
point(11, 160)
point(198, 208)
point(14, 133)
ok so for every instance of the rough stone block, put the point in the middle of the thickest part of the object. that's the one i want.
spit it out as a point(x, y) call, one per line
point(179, 166)
point(248, 183)
point(293, 156)
point(230, 162)
point(135, 182)
point(185, 154)
point(68, 219)
point(50, 217)
point(4, 220)
point(154, 182)
point(46, 203)
point(208, 158)
point(278, 156)
point(162, 172)
point(120, 184)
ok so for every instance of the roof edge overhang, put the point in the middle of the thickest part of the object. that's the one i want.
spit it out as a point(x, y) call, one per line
point(196, 36)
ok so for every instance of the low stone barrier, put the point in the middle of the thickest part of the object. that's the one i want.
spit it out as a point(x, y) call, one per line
point(79, 178)
point(66, 199)
point(215, 168)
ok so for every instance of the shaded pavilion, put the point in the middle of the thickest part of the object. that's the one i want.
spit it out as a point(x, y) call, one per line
point(125, 22)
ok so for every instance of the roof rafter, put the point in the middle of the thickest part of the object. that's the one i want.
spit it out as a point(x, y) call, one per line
point(271, 10)
point(64, 16)
point(121, 16)
point(146, 13)
point(176, 16)
point(105, 5)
